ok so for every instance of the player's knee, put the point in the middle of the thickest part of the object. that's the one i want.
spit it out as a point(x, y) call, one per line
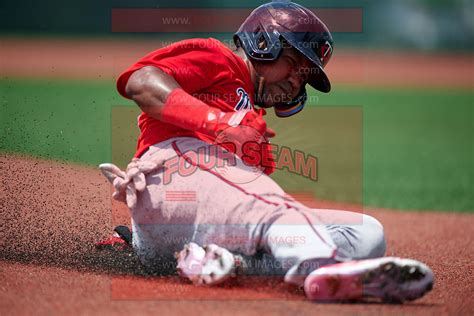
point(375, 240)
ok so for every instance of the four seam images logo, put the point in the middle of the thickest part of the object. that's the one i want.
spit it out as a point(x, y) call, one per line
point(167, 20)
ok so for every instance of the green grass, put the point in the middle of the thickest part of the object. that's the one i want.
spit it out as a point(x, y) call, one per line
point(55, 119)
point(417, 147)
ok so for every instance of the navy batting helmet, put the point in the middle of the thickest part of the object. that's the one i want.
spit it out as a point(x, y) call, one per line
point(269, 26)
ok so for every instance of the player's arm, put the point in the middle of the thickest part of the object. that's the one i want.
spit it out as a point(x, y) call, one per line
point(149, 87)
point(160, 96)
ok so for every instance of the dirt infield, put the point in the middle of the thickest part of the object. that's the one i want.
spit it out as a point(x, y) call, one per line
point(52, 213)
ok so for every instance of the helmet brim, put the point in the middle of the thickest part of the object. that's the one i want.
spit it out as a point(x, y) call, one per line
point(318, 78)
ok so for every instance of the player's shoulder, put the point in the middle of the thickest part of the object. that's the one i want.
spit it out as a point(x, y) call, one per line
point(202, 44)
point(208, 50)
point(209, 46)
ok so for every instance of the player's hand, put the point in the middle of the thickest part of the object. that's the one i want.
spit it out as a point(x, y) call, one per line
point(239, 128)
point(246, 134)
point(257, 118)
point(240, 118)
point(250, 119)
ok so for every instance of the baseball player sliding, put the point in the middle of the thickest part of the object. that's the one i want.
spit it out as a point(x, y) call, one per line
point(198, 188)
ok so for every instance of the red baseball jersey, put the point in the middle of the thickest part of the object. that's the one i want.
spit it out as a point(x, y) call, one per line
point(206, 69)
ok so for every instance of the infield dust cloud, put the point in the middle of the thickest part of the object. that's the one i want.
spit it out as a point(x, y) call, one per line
point(54, 213)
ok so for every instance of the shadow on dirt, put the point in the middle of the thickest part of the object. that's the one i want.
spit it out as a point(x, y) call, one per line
point(103, 261)
point(97, 261)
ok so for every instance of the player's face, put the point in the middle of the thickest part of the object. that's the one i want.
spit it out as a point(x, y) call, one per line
point(284, 77)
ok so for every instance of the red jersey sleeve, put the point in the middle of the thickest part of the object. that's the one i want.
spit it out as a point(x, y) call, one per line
point(204, 68)
point(195, 64)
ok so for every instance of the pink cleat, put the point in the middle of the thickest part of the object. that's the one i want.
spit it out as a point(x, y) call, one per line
point(388, 279)
point(209, 265)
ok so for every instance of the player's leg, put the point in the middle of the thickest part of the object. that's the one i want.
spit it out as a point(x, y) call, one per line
point(357, 236)
point(256, 217)
point(245, 215)
point(286, 239)
point(257, 221)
